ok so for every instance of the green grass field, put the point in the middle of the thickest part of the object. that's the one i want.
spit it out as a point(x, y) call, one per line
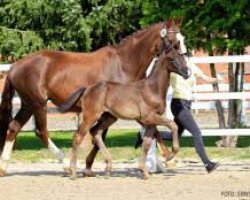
point(121, 145)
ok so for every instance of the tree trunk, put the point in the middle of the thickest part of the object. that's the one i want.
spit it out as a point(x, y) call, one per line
point(241, 108)
point(233, 71)
point(219, 108)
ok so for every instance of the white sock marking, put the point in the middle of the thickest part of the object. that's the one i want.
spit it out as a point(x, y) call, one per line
point(59, 154)
point(7, 150)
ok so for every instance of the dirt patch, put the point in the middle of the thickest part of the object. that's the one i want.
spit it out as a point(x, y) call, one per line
point(187, 180)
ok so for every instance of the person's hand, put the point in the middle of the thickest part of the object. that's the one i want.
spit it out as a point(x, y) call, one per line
point(219, 78)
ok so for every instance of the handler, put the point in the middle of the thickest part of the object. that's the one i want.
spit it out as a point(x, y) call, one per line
point(180, 108)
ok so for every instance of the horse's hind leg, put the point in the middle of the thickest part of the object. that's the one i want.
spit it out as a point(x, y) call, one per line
point(40, 115)
point(15, 126)
point(101, 129)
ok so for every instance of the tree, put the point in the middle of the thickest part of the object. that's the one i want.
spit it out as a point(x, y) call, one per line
point(76, 25)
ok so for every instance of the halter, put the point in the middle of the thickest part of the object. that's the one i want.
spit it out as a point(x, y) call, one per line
point(163, 34)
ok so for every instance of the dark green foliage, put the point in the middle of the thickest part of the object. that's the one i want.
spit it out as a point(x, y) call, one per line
point(75, 25)
point(211, 25)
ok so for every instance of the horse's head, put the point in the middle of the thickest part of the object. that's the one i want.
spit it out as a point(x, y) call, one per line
point(174, 49)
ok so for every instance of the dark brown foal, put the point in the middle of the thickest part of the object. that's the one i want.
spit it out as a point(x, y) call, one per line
point(144, 101)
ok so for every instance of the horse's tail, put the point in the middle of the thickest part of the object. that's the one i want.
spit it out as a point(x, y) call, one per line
point(66, 106)
point(5, 110)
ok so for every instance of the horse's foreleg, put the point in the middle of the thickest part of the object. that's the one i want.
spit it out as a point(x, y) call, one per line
point(43, 133)
point(14, 127)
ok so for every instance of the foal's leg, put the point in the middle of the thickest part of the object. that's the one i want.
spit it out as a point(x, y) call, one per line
point(43, 133)
point(159, 120)
point(161, 145)
point(15, 126)
point(99, 132)
point(147, 141)
point(77, 140)
point(89, 118)
point(160, 142)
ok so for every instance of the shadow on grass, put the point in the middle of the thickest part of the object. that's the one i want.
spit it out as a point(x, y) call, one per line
point(118, 138)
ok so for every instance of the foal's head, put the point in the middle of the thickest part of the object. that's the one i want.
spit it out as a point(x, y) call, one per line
point(174, 61)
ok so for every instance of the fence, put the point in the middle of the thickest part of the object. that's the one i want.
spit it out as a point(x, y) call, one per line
point(205, 95)
point(223, 95)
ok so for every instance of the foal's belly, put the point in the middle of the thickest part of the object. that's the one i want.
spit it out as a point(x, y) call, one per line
point(124, 102)
point(127, 111)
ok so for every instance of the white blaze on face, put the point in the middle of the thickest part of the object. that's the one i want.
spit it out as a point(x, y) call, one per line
point(181, 38)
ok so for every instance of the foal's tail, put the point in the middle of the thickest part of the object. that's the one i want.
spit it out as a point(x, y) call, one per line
point(5, 110)
point(66, 106)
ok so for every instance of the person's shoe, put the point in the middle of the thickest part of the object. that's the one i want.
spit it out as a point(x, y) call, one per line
point(138, 141)
point(211, 166)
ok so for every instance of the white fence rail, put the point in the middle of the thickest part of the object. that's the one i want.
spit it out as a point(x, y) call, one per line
point(204, 98)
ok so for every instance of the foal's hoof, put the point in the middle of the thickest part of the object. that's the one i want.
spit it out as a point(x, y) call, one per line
point(145, 175)
point(170, 164)
point(107, 173)
point(88, 173)
point(169, 157)
point(66, 171)
point(73, 175)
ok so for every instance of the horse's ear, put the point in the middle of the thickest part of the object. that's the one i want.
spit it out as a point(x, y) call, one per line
point(174, 23)
point(169, 23)
point(178, 21)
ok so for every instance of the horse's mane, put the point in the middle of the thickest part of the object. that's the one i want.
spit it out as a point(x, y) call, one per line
point(136, 34)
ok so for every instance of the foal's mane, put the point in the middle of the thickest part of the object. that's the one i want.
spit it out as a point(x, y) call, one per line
point(136, 34)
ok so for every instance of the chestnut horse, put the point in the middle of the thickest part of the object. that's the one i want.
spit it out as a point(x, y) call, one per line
point(54, 75)
point(144, 102)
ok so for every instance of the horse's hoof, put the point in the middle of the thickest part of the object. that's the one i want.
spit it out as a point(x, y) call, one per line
point(2, 172)
point(3, 167)
point(88, 173)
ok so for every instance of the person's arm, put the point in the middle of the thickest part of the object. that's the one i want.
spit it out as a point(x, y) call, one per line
point(199, 74)
point(210, 79)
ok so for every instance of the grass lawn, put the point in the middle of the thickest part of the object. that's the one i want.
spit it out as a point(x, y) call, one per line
point(121, 145)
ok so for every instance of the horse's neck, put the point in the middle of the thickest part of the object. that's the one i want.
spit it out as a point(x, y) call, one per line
point(158, 80)
point(137, 54)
